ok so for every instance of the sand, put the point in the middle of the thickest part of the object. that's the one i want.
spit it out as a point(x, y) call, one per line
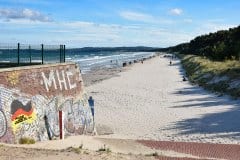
point(85, 147)
point(150, 101)
point(16, 153)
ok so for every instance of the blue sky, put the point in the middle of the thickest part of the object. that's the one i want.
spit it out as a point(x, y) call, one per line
point(81, 23)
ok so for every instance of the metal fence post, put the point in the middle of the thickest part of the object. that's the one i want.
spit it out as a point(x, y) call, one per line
point(64, 53)
point(18, 52)
point(42, 53)
point(60, 54)
point(30, 54)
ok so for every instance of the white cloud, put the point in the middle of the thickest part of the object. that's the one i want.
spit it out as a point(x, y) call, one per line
point(137, 16)
point(143, 17)
point(82, 33)
point(176, 11)
point(9, 14)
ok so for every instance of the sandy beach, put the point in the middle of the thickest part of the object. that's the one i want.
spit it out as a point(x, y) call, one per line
point(150, 101)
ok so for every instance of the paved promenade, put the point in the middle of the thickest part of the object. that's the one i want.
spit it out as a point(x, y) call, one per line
point(201, 150)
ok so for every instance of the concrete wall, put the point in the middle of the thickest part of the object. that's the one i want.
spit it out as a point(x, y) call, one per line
point(30, 94)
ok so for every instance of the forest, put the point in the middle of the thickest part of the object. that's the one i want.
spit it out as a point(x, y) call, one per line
point(221, 45)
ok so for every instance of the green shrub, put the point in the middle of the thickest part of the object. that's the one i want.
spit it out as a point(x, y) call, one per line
point(202, 70)
point(104, 149)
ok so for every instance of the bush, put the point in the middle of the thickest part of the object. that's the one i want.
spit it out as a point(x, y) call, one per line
point(104, 149)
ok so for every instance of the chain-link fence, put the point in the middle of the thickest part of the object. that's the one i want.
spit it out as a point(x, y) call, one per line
point(12, 55)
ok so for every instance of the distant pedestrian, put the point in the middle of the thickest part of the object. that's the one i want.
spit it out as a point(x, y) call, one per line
point(91, 105)
point(170, 63)
point(184, 78)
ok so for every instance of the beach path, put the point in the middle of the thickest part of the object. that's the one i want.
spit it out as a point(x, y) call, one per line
point(150, 101)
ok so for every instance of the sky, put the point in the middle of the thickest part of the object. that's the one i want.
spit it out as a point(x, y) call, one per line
point(112, 23)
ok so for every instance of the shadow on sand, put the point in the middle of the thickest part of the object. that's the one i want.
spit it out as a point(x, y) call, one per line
point(225, 123)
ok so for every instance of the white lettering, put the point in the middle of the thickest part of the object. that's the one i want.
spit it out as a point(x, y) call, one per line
point(63, 80)
point(48, 81)
point(74, 85)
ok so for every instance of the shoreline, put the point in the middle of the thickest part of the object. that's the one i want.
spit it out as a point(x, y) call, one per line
point(97, 75)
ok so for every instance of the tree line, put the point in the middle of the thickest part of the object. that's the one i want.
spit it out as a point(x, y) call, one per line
point(221, 45)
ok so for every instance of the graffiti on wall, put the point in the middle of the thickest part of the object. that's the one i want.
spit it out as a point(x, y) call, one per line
point(62, 80)
point(13, 78)
point(23, 107)
point(26, 116)
point(77, 117)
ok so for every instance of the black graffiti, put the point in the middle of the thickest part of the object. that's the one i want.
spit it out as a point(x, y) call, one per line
point(21, 119)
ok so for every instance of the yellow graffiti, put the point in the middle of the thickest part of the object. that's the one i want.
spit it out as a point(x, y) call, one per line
point(13, 78)
point(23, 119)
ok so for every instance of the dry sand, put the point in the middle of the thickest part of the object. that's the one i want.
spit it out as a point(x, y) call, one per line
point(150, 101)
point(16, 153)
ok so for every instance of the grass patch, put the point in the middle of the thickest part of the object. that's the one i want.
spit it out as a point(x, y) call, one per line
point(212, 75)
point(26, 140)
point(75, 149)
point(104, 149)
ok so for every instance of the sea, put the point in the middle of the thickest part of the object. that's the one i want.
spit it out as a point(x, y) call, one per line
point(87, 60)
point(91, 60)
